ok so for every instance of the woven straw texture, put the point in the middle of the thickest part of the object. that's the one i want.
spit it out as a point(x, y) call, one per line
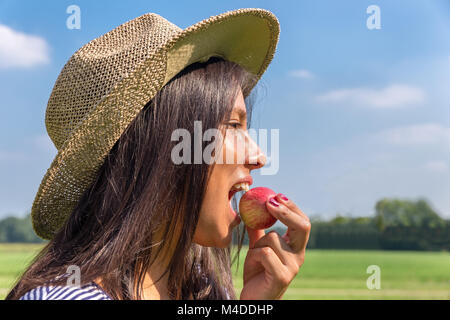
point(105, 84)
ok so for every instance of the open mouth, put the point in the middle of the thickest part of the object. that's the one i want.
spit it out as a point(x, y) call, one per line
point(238, 187)
point(243, 186)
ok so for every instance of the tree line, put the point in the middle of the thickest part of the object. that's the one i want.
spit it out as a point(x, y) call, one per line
point(14, 229)
point(397, 225)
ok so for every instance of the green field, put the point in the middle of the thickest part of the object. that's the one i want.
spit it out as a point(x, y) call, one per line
point(326, 274)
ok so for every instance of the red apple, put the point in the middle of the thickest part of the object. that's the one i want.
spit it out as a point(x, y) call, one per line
point(253, 210)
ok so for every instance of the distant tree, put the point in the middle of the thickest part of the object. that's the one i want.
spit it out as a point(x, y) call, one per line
point(427, 216)
point(338, 220)
point(406, 213)
point(14, 229)
point(362, 220)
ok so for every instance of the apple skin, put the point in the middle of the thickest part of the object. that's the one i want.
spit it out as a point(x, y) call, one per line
point(253, 210)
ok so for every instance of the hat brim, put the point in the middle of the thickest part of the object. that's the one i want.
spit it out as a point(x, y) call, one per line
point(246, 36)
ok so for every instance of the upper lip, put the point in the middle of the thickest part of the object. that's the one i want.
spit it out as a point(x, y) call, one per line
point(247, 179)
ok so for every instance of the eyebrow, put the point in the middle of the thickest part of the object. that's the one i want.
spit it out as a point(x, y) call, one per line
point(242, 113)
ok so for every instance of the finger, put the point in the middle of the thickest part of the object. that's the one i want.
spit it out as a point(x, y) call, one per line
point(298, 227)
point(271, 263)
point(290, 204)
point(278, 245)
point(254, 235)
point(287, 216)
point(281, 198)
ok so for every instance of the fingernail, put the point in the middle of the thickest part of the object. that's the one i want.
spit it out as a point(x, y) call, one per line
point(274, 202)
point(282, 196)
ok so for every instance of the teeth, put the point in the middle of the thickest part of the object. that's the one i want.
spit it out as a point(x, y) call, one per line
point(241, 186)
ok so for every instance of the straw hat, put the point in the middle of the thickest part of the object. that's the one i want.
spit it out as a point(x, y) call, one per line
point(105, 84)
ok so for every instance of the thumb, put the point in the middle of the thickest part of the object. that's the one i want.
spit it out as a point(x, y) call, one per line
point(254, 235)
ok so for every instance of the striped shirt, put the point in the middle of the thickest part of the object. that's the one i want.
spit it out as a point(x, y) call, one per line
point(90, 291)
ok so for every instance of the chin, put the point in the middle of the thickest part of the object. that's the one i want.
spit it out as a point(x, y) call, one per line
point(224, 243)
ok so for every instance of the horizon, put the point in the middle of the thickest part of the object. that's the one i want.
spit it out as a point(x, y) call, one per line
point(362, 113)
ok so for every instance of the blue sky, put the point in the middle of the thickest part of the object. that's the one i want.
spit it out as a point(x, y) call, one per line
point(363, 114)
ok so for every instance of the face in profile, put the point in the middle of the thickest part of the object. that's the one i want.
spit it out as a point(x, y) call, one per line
point(217, 217)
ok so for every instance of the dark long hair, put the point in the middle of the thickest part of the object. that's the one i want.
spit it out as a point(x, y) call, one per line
point(139, 193)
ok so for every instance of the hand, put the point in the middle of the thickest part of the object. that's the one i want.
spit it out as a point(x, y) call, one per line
point(272, 260)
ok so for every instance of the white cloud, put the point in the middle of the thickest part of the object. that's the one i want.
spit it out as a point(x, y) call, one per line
point(302, 73)
point(18, 49)
point(438, 166)
point(418, 134)
point(393, 96)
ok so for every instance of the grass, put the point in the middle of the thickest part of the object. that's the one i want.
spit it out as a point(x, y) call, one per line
point(13, 259)
point(341, 274)
point(326, 274)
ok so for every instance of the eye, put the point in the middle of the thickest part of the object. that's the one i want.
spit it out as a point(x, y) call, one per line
point(235, 125)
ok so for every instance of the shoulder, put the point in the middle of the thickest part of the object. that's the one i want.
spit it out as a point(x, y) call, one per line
point(90, 291)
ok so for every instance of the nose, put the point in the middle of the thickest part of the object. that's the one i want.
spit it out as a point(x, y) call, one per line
point(256, 158)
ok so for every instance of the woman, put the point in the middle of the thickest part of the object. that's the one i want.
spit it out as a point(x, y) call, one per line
point(149, 228)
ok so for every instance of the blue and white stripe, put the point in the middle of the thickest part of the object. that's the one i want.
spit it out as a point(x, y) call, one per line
point(89, 291)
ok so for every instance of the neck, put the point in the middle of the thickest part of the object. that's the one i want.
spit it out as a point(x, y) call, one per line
point(154, 286)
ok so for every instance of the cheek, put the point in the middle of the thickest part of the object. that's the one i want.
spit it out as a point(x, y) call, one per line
point(214, 220)
point(212, 228)
point(212, 213)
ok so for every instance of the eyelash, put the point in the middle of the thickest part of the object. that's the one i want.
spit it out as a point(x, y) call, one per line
point(235, 125)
